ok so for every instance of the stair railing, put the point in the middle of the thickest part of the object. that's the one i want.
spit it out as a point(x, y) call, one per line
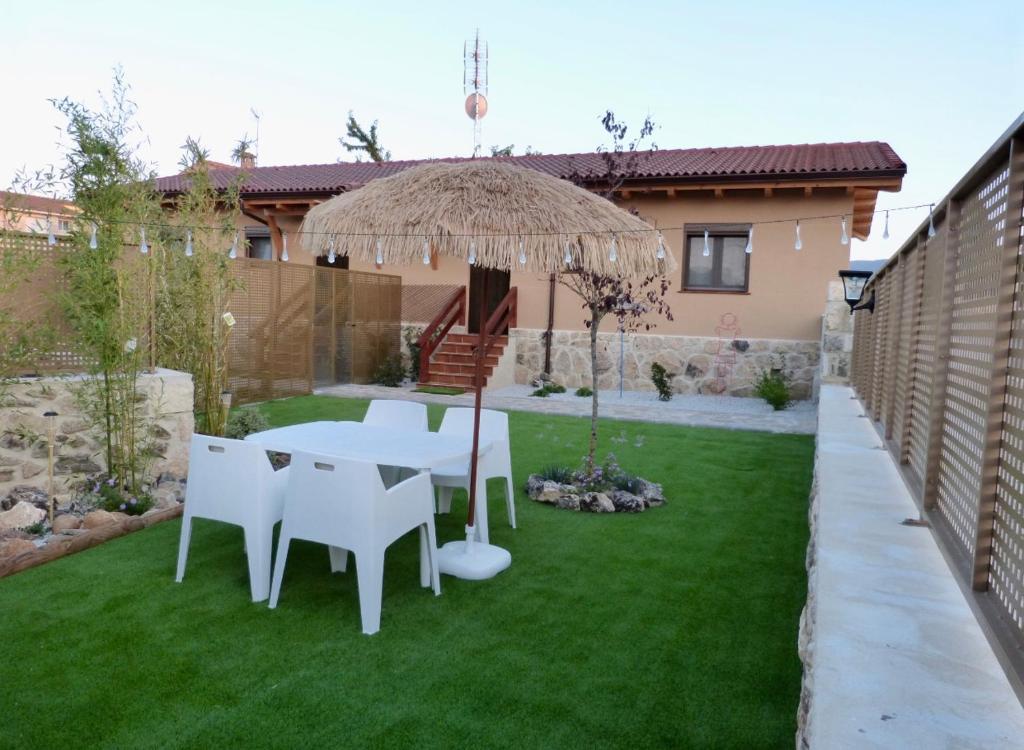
point(502, 319)
point(453, 312)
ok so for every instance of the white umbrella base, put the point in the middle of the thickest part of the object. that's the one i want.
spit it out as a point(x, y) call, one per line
point(476, 563)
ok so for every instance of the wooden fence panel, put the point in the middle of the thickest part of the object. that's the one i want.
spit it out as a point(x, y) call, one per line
point(940, 364)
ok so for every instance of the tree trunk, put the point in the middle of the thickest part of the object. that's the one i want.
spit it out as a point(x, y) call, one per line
point(595, 321)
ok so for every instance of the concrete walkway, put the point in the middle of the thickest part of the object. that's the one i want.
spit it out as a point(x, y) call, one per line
point(697, 411)
point(895, 658)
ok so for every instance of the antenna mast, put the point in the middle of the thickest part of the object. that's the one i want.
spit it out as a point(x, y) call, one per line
point(474, 84)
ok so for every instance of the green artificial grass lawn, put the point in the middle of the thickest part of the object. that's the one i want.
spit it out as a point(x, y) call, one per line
point(675, 628)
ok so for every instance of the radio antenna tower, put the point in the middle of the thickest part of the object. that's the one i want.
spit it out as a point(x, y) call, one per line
point(474, 84)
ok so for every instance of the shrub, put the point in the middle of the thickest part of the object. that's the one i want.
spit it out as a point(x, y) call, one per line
point(773, 388)
point(584, 391)
point(662, 379)
point(556, 473)
point(244, 422)
point(547, 389)
point(108, 494)
point(411, 336)
point(390, 372)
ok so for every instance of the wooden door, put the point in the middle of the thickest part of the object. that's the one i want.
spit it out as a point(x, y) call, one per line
point(491, 283)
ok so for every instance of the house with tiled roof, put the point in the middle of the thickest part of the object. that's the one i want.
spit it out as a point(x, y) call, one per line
point(38, 214)
point(735, 312)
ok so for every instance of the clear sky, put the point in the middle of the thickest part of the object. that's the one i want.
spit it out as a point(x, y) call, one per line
point(940, 81)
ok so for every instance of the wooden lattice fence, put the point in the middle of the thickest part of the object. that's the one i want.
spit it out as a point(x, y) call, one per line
point(940, 365)
point(296, 326)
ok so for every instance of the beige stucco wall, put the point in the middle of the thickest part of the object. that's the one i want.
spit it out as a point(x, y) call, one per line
point(785, 297)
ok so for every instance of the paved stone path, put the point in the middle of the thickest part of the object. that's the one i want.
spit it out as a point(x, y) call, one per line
point(800, 418)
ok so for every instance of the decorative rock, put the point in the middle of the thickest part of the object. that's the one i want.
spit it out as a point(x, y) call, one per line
point(98, 518)
point(41, 449)
point(76, 465)
point(627, 502)
point(30, 469)
point(21, 516)
point(71, 426)
point(650, 492)
point(67, 522)
point(26, 493)
point(568, 502)
point(12, 442)
point(550, 492)
point(6, 475)
point(164, 499)
point(14, 547)
point(534, 484)
point(597, 502)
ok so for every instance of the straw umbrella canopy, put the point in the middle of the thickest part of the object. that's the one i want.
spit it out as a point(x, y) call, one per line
point(495, 215)
point(502, 213)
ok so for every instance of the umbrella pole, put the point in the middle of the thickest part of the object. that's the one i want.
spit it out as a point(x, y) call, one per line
point(470, 559)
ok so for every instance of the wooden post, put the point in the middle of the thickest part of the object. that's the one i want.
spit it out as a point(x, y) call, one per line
point(940, 367)
point(1000, 367)
point(892, 357)
point(916, 277)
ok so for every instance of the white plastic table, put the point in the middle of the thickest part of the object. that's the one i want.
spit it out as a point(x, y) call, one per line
point(385, 446)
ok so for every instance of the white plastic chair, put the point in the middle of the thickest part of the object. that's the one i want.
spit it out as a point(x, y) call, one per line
point(401, 415)
point(343, 503)
point(398, 415)
point(496, 462)
point(233, 481)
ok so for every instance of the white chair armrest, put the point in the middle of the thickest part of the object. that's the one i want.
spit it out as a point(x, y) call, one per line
point(412, 486)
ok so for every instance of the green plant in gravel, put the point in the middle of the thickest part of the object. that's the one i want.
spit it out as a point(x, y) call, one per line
point(389, 372)
point(556, 473)
point(584, 392)
point(245, 421)
point(37, 529)
point(193, 322)
point(773, 387)
point(662, 380)
point(547, 389)
point(106, 493)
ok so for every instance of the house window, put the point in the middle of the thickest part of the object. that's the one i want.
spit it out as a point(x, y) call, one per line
point(258, 244)
point(726, 267)
point(64, 225)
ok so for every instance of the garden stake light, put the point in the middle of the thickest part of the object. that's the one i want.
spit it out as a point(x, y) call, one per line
point(50, 416)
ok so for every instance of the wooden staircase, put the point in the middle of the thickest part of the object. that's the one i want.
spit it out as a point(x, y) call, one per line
point(449, 359)
point(454, 362)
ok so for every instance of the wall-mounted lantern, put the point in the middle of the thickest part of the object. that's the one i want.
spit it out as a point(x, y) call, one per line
point(853, 290)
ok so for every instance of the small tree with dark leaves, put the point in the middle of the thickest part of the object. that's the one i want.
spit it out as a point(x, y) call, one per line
point(363, 141)
point(631, 302)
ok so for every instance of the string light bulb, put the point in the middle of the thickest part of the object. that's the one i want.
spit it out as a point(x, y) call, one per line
point(331, 257)
point(234, 248)
point(660, 255)
point(750, 241)
point(426, 251)
point(707, 247)
point(93, 242)
point(143, 245)
point(188, 244)
point(613, 252)
point(798, 245)
point(568, 252)
point(522, 253)
point(844, 238)
point(885, 231)
point(51, 238)
point(284, 246)
point(380, 254)
point(472, 253)
point(931, 220)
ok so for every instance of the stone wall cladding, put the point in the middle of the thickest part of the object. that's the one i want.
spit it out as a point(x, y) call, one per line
point(77, 450)
point(701, 365)
point(836, 337)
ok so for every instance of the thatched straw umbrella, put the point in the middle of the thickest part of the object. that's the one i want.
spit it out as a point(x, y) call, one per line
point(495, 215)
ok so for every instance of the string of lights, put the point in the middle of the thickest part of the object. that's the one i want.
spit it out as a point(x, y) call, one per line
point(844, 237)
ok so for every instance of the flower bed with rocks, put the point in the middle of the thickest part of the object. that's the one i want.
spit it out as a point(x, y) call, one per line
point(606, 489)
point(95, 514)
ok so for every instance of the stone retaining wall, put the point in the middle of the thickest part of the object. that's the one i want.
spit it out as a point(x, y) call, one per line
point(78, 450)
point(836, 337)
point(702, 365)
